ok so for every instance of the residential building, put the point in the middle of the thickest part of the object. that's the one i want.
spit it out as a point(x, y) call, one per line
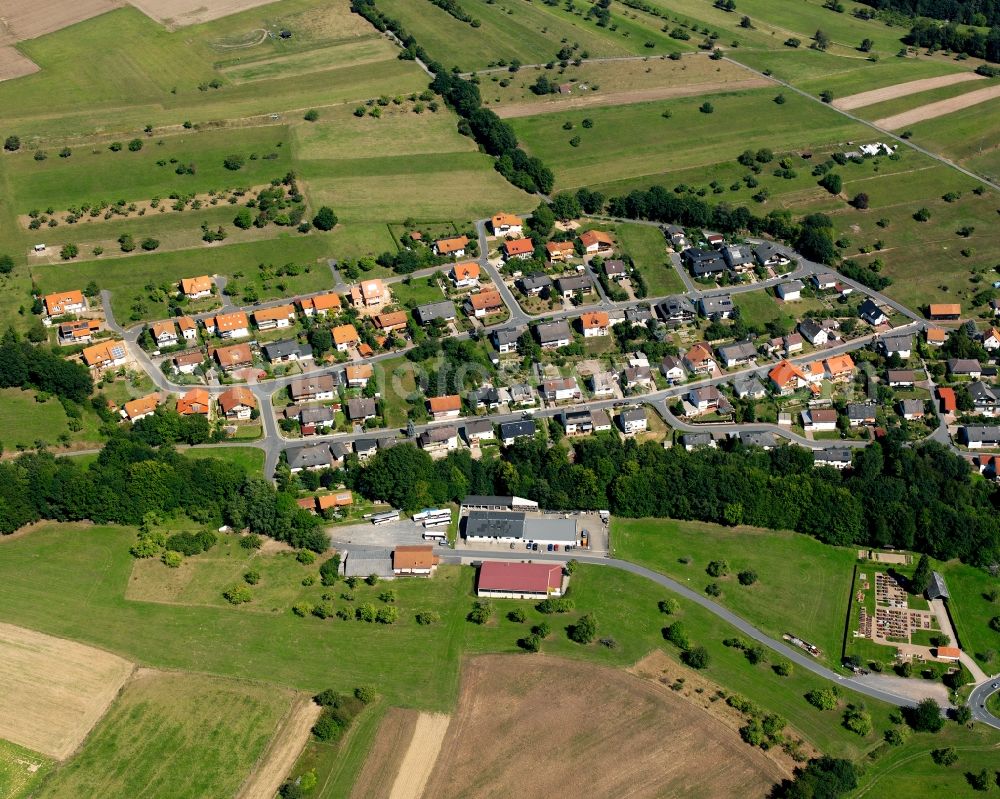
point(454, 247)
point(237, 403)
point(310, 456)
point(483, 303)
point(872, 314)
point(750, 387)
point(484, 397)
point(824, 281)
point(965, 367)
point(596, 241)
point(615, 269)
point(946, 311)
point(228, 325)
point(505, 340)
point(693, 441)
point(562, 389)
point(443, 311)
point(439, 440)
point(602, 384)
point(793, 342)
point(518, 249)
point(569, 287)
point(977, 437)
point(762, 438)
point(552, 335)
point(595, 323)
point(345, 337)
point(196, 288)
point(714, 239)
point(718, 306)
point(861, 413)
point(991, 339)
point(639, 315)
point(140, 408)
point(320, 304)
point(637, 377)
point(186, 363)
point(509, 580)
point(369, 294)
point(64, 303)
point(80, 331)
point(365, 448)
point(839, 458)
point(194, 402)
point(419, 561)
point(786, 377)
point(504, 224)
point(577, 422)
point(676, 310)
point(738, 258)
point(737, 353)
point(790, 291)
point(900, 378)
point(672, 368)
point(280, 316)
point(105, 355)
point(535, 284)
point(704, 263)
point(446, 407)
point(814, 333)
point(313, 388)
point(699, 359)
point(633, 420)
point(985, 400)
point(188, 328)
point(286, 350)
point(164, 333)
point(314, 417)
point(839, 368)
point(465, 274)
point(911, 409)
point(512, 431)
point(896, 345)
point(704, 399)
point(521, 395)
point(819, 420)
point(560, 250)
point(361, 409)
point(675, 234)
point(600, 422)
point(948, 400)
point(478, 430)
point(768, 254)
point(235, 356)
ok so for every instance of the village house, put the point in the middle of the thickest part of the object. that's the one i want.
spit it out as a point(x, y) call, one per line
point(715, 240)
point(286, 350)
point(704, 399)
point(793, 342)
point(896, 345)
point(839, 368)
point(638, 315)
point(522, 395)
point(196, 288)
point(911, 409)
point(900, 378)
point(364, 448)
point(440, 311)
point(140, 408)
point(693, 441)
point(768, 254)
point(786, 378)
point(945, 311)
point(749, 387)
point(483, 303)
point(861, 413)
point(505, 340)
point(80, 331)
point(535, 284)
point(390, 322)
point(478, 430)
point(559, 251)
point(561, 389)
point(504, 224)
point(814, 333)
point(965, 367)
point(280, 316)
point(632, 421)
point(595, 323)
point(991, 339)
point(164, 333)
point(105, 355)
point(839, 458)
point(596, 241)
point(188, 328)
point(358, 375)
point(453, 247)
point(790, 291)
point(635, 378)
point(439, 440)
point(361, 409)
point(948, 400)
point(699, 359)
point(676, 310)
point(615, 270)
point(446, 407)
point(310, 456)
point(819, 420)
point(345, 337)
point(602, 384)
point(414, 561)
point(824, 281)
point(737, 353)
point(235, 356)
point(185, 363)
point(465, 274)
point(552, 335)
point(512, 431)
point(518, 249)
point(312, 388)
point(569, 287)
point(228, 325)
point(196, 402)
point(985, 400)
point(717, 306)
point(872, 314)
point(704, 263)
point(672, 368)
point(977, 437)
point(369, 294)
point(739, 260)
point(675, 235)
point(758, 438)
point(320, 304)
point(313, 419)
point(64, 303)
point(237, 403)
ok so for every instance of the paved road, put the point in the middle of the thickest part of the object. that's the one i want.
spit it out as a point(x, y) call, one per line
point(977, 702)
point(518, 317)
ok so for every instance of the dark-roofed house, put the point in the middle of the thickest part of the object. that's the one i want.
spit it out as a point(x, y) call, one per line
point(790, 291)
point(693, 441)
point(817, 420)
point(320, 416)
point(569, 287)
point(911, 409)
point(633, 420)
point(985, 401)
point(718, 306)
point(508, 580)
point(704, 399)
point(478, 430)
point(764, 439)
point(577, 422)
point(511, 431)
point(505, 340)
point(896, 345)
point(814, 333)
point(977, 436)
point(439, 440)
point(552, 335)
point(900, 378)
point(861, 413)
point(615, 269)
point(672, 368)
point(835, 458)
point(768, 254)
point(704, 263)
point(313, 387)
point(484, 397)
point(749, 386)
point(676, 310)
point(361, 409)
point(443, 310)
point(871, 313)
point(965, 367)
point(365, 448)
point(738, 258)
point(287, 350)
point(638, 315)
point(737, 353)
point(311, 456)
point(535, 284)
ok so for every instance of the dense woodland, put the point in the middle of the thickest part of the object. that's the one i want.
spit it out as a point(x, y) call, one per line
point(923, 498)
point(969, 12)
point(926, 33)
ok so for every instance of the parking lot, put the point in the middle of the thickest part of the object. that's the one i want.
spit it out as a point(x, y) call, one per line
point(597, 532)
point(366, 534)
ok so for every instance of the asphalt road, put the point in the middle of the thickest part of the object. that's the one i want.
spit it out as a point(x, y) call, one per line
point(977, 701)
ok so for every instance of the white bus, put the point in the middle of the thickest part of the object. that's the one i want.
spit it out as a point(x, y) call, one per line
point(384, 518)
point(419, 517)
point(438, 519)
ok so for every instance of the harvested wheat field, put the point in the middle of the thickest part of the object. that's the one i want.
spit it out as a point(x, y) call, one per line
point(20, 19)
point(535, 726)
point(15, 64)
point(421, 754)
point(53, 691)
point(939, 109)
point(862, 99)
point(377, 775)
point(179, 13)
point(285, 748)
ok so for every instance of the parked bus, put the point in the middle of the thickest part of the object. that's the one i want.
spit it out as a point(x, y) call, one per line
point(437, 519)
point(384, 518)
point(419, 517)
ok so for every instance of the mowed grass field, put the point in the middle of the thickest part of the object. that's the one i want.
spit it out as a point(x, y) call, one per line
point(20, 770)
point(250, 458)
point(788, 564)
point(174, 735)
point(688, 139)
point(969, 137)
point(648, 248)
point(971, 609)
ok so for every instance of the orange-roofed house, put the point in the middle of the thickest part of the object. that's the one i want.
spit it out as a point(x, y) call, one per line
point(991, 339)
point(596, 241)
point(560, 250)
point(595, 323)
point(369, 294)
point(236, 356)
point(63, 303)
point(80, 331)
point(341, 499)
point(189, 328)
point(365, 351)
point(237, 403)
point(414, 560)
point(945, 311)
point(105, 355)
point(465, 274)
point(320, 305)
point(840, 368)
point(447, 407)
point(194, 288)
point(699, 359)
point(787, 377)
point(518, 248)
point(195, 402)
point(391, 321)
point(345, 337)
point(483, 303)
point(137, 409)
point(455, 247)
point(164, 333)
point(359, 375)
point(506, 225)
point(272, 318)
point(936, 337)
point(949, 402)
point(228, 325)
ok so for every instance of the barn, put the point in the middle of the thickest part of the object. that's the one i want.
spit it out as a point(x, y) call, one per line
point(508, 580)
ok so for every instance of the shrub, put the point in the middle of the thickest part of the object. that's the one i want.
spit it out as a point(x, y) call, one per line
point(252, 577)
point(946, 756)
point(192, 543)
point(706, 108)
point(530, 643)
point(922, 214)
point(172, 559)
point(305, 557)
point(426, 617)
point(858, 720)
point(135, 145)
point(329, 570)
point(696, 658)
point(311, 115)
point(12, 144)
point(388, 596)
point(482, 611)
point(237, 595)
point(251, 541)
point(782, 668)
point(585, 630)
point(676, 634)
point(371, 579)
point(234, 162)
point(325, 219)
point(149, 244)
point(712, 589)
point(386, 615)
point(69, 252)
point(718, 568)
point(555, 605)
point(823, 698)
point(365, 612)
point(517, 616)
point(925, 717)
point(366, 693)
point(669, 606)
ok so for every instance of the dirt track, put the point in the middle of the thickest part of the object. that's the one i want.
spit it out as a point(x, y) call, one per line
point(421, 754)
point(939, 109)
point(862, 99)
point(542, 726)
point(395, 732)
point(626, 98)
point(53, 691)
point(284, 750)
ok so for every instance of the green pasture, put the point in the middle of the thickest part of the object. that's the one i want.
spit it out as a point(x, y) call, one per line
point(646, 245)
point(24, 420)
point(20, 770)
point(971, 609)
point(250, 458)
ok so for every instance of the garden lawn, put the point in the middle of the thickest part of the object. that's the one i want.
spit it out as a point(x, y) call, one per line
point(648, 248)
point(250, 458)
point(418, 290)
point(399, 381)
point(177, 735)
point(803, 587)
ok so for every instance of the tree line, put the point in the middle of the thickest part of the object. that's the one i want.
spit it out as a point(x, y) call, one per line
point(975, 43)
point(919, 498)
point(23, 365)
point(967, 12)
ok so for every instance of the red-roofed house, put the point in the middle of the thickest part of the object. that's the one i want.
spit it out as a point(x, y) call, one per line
point(465, 274)
point(508, 580)
point(949, 403)
point(595, 323)
point(560, 250)
point(506, 224)
point(414, 560)
point(518, 248)
point(454, 247)
point(447, 407)
point(483, 303)
point(596, 241)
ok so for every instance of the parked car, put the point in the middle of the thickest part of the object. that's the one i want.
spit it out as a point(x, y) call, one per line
point(550, 548)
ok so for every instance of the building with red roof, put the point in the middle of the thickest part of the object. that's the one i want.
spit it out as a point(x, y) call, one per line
point(509, 580)
point(949, 403)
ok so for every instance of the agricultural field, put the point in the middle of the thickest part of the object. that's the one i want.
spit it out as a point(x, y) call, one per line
point(613, 716)
point(174, 734)
point(968, 137)
point(20, 770)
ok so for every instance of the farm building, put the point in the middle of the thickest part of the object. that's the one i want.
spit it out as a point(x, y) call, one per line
point(504, 580)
